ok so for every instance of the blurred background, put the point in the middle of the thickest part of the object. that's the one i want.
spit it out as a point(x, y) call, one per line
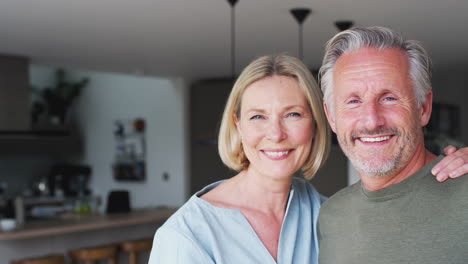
point(99, 96)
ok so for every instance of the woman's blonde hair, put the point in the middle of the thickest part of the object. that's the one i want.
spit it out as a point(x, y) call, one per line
point(229, 141)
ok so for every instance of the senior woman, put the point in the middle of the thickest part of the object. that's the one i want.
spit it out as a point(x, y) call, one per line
point(263, 214)
point(273, 126)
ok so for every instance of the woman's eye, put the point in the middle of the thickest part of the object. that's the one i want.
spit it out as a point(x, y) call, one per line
point(295, 114)
point(256, 117)
point(389, 98)
point(354, 101)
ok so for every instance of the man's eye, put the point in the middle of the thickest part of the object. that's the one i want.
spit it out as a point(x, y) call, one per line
point(389, 98)
point(256, 117)
point(354, 101)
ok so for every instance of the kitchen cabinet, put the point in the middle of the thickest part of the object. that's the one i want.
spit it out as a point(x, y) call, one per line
point(14, 93)
point(17, 135)
point(207, 100)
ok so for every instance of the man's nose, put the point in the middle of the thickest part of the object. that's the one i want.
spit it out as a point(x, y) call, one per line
point(372, 116)
point(276, 130)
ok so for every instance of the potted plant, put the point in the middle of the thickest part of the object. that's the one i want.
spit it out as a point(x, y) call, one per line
point(54, 102)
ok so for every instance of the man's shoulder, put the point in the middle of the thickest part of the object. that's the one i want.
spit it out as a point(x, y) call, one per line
point(346, 193)
point(461, 181)
point(341, 199)
point(452, 186)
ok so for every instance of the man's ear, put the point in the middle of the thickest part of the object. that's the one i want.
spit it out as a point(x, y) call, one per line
point(426, 110)
point(331, 119)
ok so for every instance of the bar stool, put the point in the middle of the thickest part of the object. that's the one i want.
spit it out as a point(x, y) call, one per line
point(134, 247)
point(91, 255)
point(50, 259)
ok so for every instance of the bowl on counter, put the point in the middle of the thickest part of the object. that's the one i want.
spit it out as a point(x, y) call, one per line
point(7, 224)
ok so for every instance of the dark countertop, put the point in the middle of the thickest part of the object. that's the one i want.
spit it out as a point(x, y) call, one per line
point(79, 223)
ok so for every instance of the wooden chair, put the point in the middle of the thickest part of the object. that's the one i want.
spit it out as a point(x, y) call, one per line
point(134, 247)
point(50, 259)
point(91, 255)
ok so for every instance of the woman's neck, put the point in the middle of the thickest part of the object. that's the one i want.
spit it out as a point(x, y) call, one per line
point(263, 193)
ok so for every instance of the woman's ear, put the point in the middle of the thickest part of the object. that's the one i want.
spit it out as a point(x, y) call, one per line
point(236, 121)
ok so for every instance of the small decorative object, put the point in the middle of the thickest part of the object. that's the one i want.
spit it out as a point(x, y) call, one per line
point(130, 150)
point(54, 102)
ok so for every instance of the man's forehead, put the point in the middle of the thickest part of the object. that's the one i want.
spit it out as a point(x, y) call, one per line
point(372, 68)
point(367, 55)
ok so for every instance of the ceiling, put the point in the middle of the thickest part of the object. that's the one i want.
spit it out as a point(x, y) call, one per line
point(191, 38)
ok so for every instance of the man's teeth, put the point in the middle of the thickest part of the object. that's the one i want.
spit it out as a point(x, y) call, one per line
point(375, 139)
point(276, 153)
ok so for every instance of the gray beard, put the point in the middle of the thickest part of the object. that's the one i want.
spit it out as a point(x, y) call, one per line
point(377, 170)
point(387, 167)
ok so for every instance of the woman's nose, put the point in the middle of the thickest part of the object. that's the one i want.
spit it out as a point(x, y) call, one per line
point(276, 130)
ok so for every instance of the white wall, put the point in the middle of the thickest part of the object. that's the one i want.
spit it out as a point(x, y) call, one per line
point(160, 101)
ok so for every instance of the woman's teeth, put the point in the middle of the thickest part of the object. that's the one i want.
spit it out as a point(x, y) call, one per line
point(276, 154)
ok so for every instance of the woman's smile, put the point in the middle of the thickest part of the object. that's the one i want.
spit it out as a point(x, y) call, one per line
point(277, 154)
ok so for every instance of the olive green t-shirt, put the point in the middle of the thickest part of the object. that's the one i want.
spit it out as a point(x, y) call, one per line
point(418, 220)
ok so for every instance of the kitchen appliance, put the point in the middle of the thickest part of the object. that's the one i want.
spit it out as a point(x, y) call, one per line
point(40, 187)
point(69, 180)
point(118, 201)
point(7, 224)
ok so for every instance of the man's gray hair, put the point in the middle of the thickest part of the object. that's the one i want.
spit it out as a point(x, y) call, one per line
point(420, 65)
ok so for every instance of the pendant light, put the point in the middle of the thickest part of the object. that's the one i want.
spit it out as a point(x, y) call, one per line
point(300, 14)
point(233, 3)
point(343, 25)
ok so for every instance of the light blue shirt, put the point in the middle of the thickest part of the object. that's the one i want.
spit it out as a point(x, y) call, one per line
point(202, 233)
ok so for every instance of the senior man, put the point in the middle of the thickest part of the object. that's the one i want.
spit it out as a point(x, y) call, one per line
point(378, 98)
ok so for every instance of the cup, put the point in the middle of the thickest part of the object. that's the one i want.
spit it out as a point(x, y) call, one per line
point(7, 224)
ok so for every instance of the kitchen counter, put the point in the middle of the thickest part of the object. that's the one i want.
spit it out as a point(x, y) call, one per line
point(79, 223)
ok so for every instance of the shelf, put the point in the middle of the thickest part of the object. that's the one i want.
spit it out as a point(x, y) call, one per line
point(39, 144)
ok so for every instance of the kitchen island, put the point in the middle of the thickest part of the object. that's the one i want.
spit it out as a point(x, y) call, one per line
point(85, 222)
point(42, 237)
